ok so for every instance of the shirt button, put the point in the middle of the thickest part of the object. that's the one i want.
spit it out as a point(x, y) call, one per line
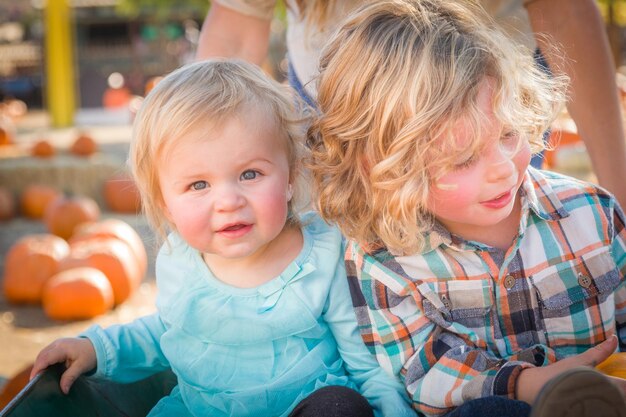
point(584, 281)
point(446, 302)
point(509, 282)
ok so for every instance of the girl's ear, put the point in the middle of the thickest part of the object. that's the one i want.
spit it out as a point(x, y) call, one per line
point(289, 192)
point(166, 212)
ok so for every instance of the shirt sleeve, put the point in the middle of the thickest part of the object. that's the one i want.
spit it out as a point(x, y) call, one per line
point(440, 367)
point(383, 391)
point(128, 352)
point(263, 9)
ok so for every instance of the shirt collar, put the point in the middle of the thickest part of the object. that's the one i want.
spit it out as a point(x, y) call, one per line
point(538, 197)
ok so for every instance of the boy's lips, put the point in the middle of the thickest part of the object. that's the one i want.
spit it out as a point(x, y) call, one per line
point(500, 201)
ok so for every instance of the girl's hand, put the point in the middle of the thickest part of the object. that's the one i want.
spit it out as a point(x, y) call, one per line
point(78, 355)
point(532, 380)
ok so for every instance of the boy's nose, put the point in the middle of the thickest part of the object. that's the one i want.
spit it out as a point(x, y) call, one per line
point(502, 166)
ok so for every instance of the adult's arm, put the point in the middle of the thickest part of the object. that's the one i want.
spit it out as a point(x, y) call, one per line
point(585, 56)
point(232, 34)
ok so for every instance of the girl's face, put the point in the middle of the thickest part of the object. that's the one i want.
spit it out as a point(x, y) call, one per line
point(226, 189)
point(479, 198)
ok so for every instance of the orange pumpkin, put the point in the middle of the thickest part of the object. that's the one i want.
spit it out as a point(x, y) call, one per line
point(14, 385)
point(112, 257)
point(151, 83)
point(42, 149)
point(614, 365)
point(559, 138)
point(35, 198)
point(63, 214)
point(121, 194)
point(7, 204)
point(30, 262)
point(6, 135)
point(84, 145)
point(77, 294)
point(118, 229)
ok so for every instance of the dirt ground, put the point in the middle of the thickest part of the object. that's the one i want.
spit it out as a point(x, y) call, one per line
point(24, 330)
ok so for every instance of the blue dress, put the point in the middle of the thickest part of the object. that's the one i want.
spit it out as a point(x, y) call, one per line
point(253, 351)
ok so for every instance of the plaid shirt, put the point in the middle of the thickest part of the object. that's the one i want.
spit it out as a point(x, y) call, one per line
point(460, 320)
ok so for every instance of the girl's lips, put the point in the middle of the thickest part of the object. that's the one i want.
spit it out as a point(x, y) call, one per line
point(235, 230)
point(501, 201)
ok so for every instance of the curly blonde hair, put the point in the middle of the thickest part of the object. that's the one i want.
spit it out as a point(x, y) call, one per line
point(207, 94)
point(394, 79)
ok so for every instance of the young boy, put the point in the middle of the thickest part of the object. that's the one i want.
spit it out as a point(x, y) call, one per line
point(476, 279)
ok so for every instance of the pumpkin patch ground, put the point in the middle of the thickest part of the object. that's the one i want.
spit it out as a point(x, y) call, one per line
point(26, 328)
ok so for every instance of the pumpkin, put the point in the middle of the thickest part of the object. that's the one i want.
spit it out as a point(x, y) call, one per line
point(84, 145)
point(151, 83)
point(559, 137)
point(14, 385)
point(42, 149)
point(30, 262)
point(6, 133)
point(64, 213)
point(121, 194)
point(35, 198)
point(7, 204)
point(114, 228)
point(614, 365)
point(77, 294)
point(113, 258)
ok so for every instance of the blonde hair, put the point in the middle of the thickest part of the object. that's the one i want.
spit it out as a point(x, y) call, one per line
point(394, 80)
point(209, 92)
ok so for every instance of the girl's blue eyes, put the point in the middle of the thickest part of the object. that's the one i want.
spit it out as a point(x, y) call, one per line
point(248, 175)
point(199, 185)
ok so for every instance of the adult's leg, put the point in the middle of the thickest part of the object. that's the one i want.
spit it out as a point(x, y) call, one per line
point(296, 84)
point(333, 401)
point(492, 407)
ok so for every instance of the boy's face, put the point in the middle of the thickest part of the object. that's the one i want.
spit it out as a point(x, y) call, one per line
point(479, 199)
point(226, 189)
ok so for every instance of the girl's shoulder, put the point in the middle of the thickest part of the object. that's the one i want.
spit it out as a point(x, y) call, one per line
point(323, 235)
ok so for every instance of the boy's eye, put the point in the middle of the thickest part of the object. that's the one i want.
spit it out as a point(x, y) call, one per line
point(199, 185)
point(510, 141)
point(466, 163)
point(249, 175)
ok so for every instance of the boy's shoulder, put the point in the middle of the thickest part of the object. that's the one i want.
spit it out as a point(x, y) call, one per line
point(559, 181)
point(553, 189)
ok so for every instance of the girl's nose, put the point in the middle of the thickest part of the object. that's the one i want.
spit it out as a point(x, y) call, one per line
point(228, 198)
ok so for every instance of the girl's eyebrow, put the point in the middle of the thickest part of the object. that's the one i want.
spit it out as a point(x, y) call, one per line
point(255, 160)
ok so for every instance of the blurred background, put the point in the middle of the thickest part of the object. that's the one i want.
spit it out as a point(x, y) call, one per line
point(110, 45)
